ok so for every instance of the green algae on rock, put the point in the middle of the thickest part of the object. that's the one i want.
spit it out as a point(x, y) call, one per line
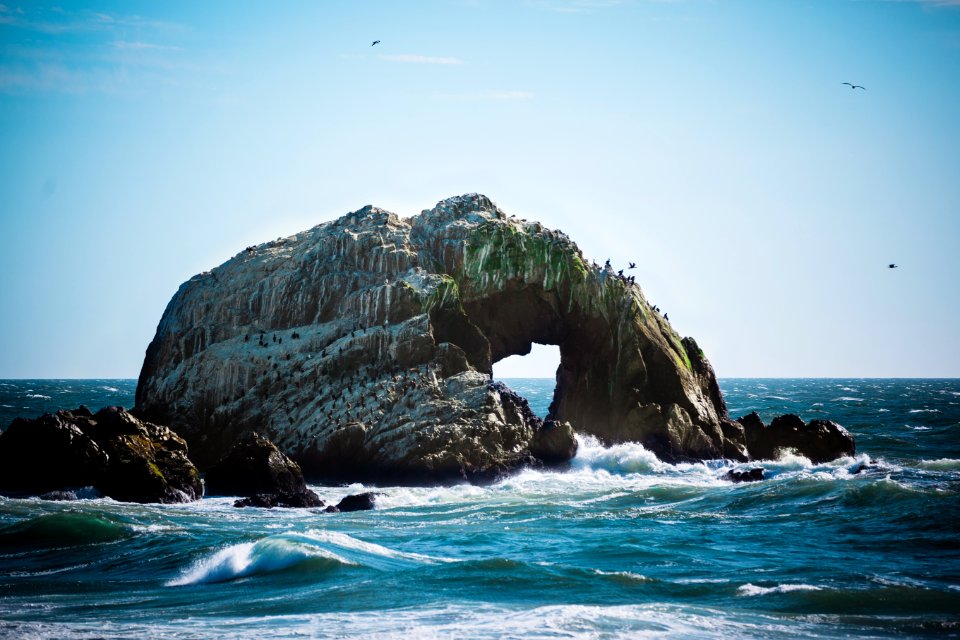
point(398, 323)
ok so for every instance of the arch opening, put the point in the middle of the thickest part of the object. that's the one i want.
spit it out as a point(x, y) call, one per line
point(533, 375)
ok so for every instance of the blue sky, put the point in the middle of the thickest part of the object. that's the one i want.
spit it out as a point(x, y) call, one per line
point(711, 142)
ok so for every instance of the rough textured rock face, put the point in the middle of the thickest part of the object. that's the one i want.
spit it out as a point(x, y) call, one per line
point(365, 346)
point(124, 458)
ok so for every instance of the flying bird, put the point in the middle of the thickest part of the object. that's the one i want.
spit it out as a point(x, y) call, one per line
point(891, 266)
point(633, 265)
point(854, 86)
point(375, 42)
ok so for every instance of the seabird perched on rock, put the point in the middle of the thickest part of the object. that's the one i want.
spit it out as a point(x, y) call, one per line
point(855, 86)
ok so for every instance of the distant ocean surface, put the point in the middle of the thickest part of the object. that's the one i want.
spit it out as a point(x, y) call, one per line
point(618, 545)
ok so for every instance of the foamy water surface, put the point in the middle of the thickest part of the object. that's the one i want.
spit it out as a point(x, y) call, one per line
point(617, 544)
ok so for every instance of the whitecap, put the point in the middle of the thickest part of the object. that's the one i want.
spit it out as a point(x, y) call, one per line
point(114, 389)
point(629, 575)
point(883, 410)
point(847, 399)
point(754, 590)
point(943, 464)
point(38, 395)
point(924, 411)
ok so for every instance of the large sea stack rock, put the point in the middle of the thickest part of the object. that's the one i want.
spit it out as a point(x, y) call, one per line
point(121, 456)
point(364, 346)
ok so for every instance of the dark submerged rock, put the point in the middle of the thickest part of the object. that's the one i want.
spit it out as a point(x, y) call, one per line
point(47, 454)
point(745, 475)
point(121, 456)
point(254, 466)
point(819, 440)
point(298, 500)
point(357, 502)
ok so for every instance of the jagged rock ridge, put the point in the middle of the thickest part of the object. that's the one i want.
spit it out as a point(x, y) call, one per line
point(365, 345)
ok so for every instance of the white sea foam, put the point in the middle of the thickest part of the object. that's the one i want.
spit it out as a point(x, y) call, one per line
point(847, 399)
point(597, 473)
point(479, 621)
point(110, 389)
point(37, 395)
point(943, 464)
point(753, 590)
point(924, 411)
point(628, 575)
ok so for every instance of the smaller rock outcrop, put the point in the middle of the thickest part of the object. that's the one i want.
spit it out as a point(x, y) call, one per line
point(818, 440)
point(119, 455)
point(298, 500)
point(554, 442)
point(254, 466)
point(357, 502)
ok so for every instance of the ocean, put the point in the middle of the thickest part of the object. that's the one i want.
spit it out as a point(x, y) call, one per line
point(616, 545)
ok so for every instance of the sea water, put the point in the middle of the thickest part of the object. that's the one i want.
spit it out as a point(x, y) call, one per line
point(618, 544)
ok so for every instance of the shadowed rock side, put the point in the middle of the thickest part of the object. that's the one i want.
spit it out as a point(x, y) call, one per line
point(122, 457)
point(818, 440)
point(254, 465)
point(364, 347)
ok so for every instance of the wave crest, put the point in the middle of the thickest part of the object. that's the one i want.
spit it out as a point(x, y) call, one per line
point(311, 551)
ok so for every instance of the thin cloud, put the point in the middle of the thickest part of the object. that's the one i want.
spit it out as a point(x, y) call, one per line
point(144, 46)
point(57, 20)
point(575, 6)
point(419, 59)
point(101, 59)
point(492, 94)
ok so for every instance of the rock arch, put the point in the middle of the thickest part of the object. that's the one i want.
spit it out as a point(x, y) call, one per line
point(365, 345)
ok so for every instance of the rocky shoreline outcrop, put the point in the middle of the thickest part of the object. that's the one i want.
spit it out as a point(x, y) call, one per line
point(114, 452)
point(364, 348)
point(817, 440)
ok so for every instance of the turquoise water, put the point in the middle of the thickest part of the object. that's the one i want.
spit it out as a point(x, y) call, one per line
point(618, 545)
